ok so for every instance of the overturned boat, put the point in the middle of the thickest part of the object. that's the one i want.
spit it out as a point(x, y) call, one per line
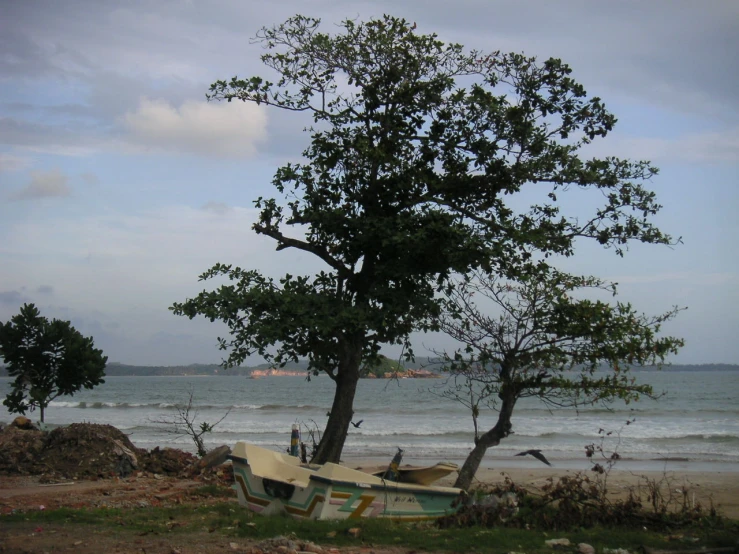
point(270, 482)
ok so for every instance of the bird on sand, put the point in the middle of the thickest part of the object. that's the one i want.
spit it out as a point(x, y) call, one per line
point(358, 423)
point(536, 454)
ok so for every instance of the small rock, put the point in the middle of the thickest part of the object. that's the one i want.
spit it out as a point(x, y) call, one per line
point(354, 532)
point(24, 423)
point(615, 551)
point(77, 543)
point(585, 548)
point(233, 545)
point(557, 542)
point(311, 547)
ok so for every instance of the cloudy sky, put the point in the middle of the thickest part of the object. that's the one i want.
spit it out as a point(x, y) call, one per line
point(120, 184)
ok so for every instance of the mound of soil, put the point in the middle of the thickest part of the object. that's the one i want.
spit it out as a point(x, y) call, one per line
point(84, 451)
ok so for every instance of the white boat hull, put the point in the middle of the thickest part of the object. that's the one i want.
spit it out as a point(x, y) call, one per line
point(269, 482)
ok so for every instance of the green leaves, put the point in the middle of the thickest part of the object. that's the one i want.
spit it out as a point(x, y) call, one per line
point(414, 148)
point(47, 359)
point(549, 339)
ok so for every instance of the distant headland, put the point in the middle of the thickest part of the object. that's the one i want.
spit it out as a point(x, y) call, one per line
point(385, 369)
point(421, 368)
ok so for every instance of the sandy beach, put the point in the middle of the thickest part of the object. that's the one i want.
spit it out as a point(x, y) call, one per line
point(705, 487)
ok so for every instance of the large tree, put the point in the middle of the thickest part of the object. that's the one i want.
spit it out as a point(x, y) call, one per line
point(547, 336)
point(414, 147)
point(47, 359)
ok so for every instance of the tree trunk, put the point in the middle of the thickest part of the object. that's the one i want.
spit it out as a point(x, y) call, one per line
point(342, 411)
point(492, 438)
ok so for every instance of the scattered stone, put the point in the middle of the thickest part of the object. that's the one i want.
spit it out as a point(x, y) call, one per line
point(311, 547)
point(553, 543)
point(615, 551)
point(354, 532)
point(585, 548)
point(22, 422)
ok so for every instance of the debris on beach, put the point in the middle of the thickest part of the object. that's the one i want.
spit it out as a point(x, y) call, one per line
point(90, 451)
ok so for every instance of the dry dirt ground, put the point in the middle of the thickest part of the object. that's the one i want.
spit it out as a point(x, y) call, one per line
point(96, 466)
point(29, 494)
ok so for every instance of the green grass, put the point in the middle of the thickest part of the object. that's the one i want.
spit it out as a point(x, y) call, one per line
point(231, 520)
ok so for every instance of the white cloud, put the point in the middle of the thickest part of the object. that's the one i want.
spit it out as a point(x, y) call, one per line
point(9, 162)
point(44, 184)
point(212, 129)
point(115, 261)
point(128, 269)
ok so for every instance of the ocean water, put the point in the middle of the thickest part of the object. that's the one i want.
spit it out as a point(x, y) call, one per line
point(694, 425)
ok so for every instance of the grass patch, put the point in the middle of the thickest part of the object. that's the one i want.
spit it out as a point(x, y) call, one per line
point(214, 491)
point(229, 520)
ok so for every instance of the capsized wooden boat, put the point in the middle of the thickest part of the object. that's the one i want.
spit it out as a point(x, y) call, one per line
point(271, 482)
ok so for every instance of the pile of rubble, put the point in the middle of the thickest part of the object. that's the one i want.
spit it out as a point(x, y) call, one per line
point(89, 450)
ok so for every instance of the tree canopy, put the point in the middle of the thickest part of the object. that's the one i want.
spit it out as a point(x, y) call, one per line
point(543, 337)
point(47, 359)
point(414, 150)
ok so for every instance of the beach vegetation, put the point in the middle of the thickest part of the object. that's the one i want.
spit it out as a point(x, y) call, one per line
point(227, 521)
point(425, 160)
point(46, 359)
point(548, 336)
point(582, 501)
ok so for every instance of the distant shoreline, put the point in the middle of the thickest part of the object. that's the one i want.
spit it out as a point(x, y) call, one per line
point(419, 369)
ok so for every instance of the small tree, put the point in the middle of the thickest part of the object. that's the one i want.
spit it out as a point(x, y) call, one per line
point(48, 359)
point(416, 146)
point(183, 423)
point(543, 343)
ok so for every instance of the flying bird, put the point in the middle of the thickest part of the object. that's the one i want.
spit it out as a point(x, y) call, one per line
point(536, 454)
point(358, 423)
